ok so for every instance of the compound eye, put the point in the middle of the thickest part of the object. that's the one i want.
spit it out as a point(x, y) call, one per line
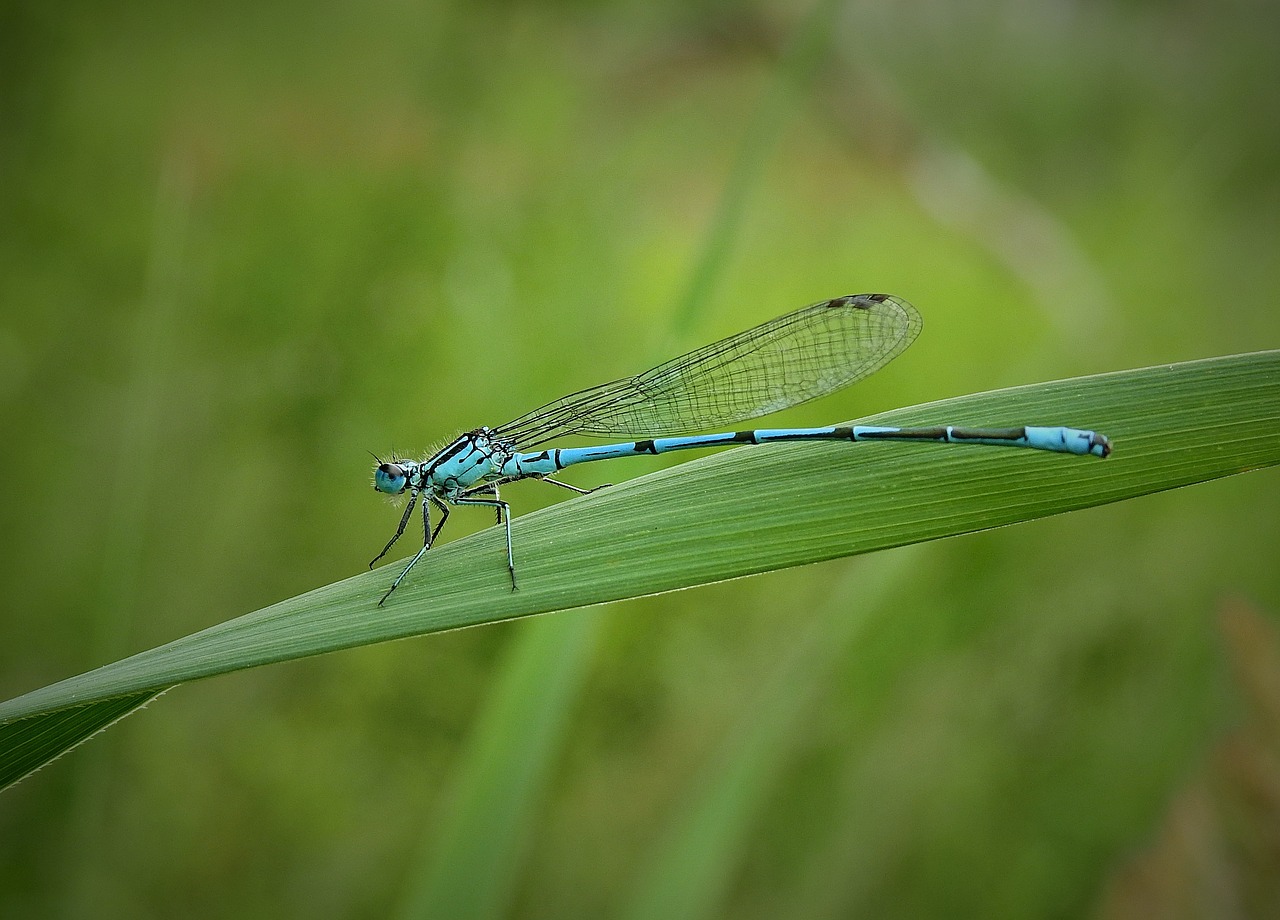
point(390, 478)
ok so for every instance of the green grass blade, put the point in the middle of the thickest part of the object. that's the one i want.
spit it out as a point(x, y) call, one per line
point(694, 860)
point(756, 509)
point(507, 763)
point(807, 50)
point(26, 745)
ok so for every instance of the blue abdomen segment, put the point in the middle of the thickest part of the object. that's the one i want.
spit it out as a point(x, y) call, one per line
point(1057, 440)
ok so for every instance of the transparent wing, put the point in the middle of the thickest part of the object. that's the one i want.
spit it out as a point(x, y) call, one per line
point(784, 362)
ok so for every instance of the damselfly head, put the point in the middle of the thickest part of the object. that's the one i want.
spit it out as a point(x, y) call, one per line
point(391, 478)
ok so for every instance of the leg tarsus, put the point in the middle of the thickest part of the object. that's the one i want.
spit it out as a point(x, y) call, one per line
point(395, 584)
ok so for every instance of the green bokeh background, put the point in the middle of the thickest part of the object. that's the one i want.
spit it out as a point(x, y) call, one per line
point(243, 244)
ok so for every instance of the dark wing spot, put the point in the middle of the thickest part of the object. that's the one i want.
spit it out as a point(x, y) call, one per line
point(867, 301)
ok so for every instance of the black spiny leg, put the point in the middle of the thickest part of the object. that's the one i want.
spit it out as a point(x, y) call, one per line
point(404, 520)
point(504, 517)
point(565, 485)
point(428, 536)
point(444, 516)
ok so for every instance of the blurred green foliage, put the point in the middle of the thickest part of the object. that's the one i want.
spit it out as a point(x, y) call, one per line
point(242, 244)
